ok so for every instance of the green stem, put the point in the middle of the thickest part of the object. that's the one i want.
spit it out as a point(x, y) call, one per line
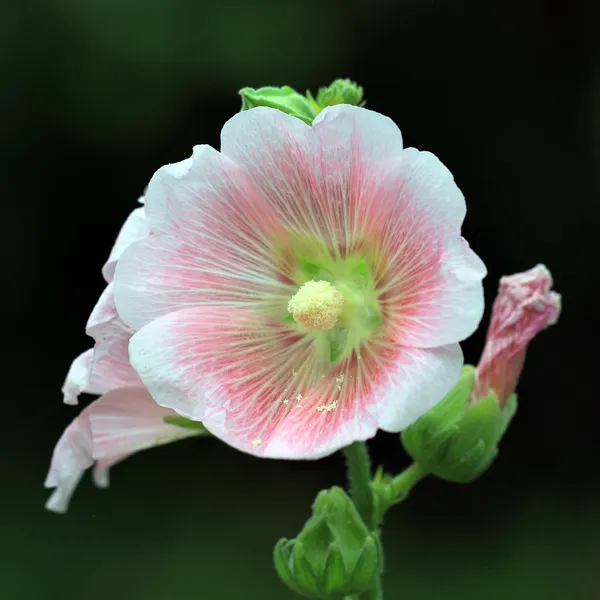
point(359, 478)
point(358, 465)
point(405, 481)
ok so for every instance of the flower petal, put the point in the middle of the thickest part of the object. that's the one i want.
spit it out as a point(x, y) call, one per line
point(417, 381)
point(105, 367)
point(261, 387)
point(212, 242)
point(134, 229)
point(71, 457)
point(111, 368)
point(434, 297)
point(110, 429)
point(78, 377)
point(320, 180)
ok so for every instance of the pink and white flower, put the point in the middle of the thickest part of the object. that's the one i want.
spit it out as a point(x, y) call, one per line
point(125, 419)
point(236, 235)
point(525, 305)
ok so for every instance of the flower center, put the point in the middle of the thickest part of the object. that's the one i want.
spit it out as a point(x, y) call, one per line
point(317, 305)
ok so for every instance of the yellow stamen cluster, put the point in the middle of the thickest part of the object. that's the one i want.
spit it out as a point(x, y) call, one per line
point(317, 305)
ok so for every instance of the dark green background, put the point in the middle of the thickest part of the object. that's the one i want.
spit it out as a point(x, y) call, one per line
point(97, 94)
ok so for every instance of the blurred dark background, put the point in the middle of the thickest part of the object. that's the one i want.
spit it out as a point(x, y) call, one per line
point(96, 95)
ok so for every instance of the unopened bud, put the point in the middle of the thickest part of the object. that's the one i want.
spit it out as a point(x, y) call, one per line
point(334, 555)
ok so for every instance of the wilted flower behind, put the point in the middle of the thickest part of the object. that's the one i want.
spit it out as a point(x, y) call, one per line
point(125, 419)
point(524, 306)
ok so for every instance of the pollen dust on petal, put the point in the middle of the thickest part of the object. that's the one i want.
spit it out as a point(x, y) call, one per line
point(256, 443)
point(328, 407)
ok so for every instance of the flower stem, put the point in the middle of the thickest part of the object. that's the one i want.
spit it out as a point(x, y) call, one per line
point(359, 478)
point(358, 465)
point(405, 481)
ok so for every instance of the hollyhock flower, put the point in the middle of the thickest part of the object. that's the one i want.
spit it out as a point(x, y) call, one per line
point(524, 306)
point(125, 418)
point(303, 287)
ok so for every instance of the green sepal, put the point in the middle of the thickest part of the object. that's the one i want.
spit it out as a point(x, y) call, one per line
point(284, 98)
point(364, 574)
point(283, 564)
point(334, 573)
point(304, 575)
point(457, 440)
point(185, 423)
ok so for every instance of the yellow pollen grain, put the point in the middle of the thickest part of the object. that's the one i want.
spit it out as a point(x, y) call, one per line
point(338, 382)
point(256, 443)
point(327, 407)
point(317, 305)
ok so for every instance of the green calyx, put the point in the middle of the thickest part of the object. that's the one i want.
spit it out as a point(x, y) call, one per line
point(361, 312)
point(456, 440)
point(334, 555)
point(305, 108)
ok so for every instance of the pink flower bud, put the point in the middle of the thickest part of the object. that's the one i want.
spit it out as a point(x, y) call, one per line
point(524, 306)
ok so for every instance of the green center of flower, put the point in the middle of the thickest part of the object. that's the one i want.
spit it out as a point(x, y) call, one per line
point(336, 302)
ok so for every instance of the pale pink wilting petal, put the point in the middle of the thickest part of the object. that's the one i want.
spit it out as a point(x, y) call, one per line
point(236, 235)
point(72, 456)
point(106, 366)
point(77, 380)
point(111, 367)
point(133, 230)
point(525, 305)
point(110, 429)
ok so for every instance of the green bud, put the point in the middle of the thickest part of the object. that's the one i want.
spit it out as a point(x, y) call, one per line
point(457, 440)
point(341, 91)
point(283, 98)
point(334, 555)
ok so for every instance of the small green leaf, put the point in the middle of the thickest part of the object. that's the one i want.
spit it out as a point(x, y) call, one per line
point(185, 423)
point(285, 99)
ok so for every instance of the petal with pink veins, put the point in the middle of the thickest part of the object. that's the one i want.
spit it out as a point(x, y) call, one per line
point(212, 243)
point(263, 388)
point(434, 297)
point(321, 180)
